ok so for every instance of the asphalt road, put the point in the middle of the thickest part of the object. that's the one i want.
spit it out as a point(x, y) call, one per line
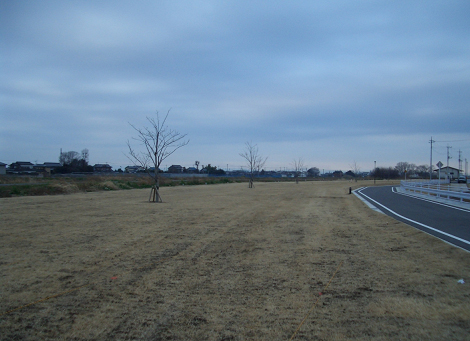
point(446, 222)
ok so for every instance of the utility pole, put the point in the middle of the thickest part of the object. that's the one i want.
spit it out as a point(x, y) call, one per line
point(430, 163)
point(460, 161)
point(448, 158)
point(448, 155)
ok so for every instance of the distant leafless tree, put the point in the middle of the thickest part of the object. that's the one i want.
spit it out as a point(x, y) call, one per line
point(402, 167)
point(355, 169)
point(405, 167)
point(74, 162)
point(159, 143)
point(254, 160)
point(298, 167)
point(67, 158)
point(386, 173)
point(422, 170)
point(85, 155)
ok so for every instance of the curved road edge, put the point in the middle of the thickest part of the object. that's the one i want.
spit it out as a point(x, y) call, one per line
point(378, 207)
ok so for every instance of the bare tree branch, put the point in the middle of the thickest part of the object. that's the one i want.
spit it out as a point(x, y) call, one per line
point(253, 159)
point(298, 167)
point(159, 143)
point(355, 169)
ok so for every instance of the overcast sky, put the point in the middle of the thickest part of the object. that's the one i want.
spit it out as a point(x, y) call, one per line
point(333, 82)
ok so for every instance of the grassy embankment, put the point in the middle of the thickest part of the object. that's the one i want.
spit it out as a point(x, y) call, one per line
point(11, 186)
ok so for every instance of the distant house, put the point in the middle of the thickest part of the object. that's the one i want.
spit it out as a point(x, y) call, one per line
point(3, 168)
point(47, 167)
point(102, 168)
point(272, 174)
point(22, 166)
point(133, 169)
point(191, 170)
point(152, 170)
point(175, 169)
point(52, 165)
point(350, 173)
point(448, 172)
point(238, 172)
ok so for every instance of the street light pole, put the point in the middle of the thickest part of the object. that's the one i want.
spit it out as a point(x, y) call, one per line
point(375, 169)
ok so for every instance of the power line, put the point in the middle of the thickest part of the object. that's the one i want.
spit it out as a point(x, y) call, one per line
point(453, 141)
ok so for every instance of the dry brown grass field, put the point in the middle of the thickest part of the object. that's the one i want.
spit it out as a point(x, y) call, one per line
point(224, 262)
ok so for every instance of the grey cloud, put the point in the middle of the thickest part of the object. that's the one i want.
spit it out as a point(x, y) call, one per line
point(233, 70)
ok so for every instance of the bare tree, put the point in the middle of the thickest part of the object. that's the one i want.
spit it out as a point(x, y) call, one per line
point(159, 142)
point(85, 155)
point(422, 170)
point(254, 160)
point(67, 158)
point(355, 169)
point(298, 167)
point(74, 162)
point(402, 167)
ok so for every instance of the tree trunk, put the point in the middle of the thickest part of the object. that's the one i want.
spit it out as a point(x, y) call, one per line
point(155, 195)
point(154, 192)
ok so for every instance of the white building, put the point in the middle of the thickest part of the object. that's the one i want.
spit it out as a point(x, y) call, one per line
point(448, 173)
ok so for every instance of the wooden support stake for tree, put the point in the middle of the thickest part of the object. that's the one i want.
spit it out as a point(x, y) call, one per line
point(155, 195)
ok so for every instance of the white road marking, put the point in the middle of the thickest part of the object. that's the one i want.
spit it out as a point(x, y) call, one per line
point(415, 222)
point(372, 207)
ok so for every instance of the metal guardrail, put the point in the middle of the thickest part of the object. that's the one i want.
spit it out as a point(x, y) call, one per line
point(437, 189)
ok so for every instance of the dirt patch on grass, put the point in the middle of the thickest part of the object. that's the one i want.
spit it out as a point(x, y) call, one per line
point(224, 262)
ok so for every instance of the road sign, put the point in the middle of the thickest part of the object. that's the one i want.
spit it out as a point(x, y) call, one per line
point(439, 164)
